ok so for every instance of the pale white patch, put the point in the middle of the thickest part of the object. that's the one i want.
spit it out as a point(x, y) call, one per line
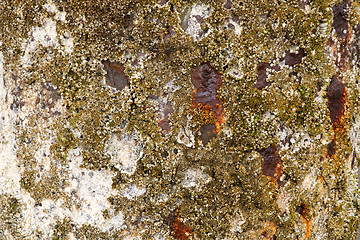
point(237, 222)
point(132, 191)
point(68, 43)
point(158, 236)
point(124, 151)
point(236, 72)
point(354, 134)
point(51, 7)
point(9, 171)
point(236, 27)
point(92, 189)
point(171, 87)
point(186, 137)
point(309, 181)
point(191, 22)
point(195, 178)
point(42, 155)
point(45, 35)
point(283, 201)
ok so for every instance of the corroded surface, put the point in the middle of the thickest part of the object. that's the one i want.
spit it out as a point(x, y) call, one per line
point(172, 119)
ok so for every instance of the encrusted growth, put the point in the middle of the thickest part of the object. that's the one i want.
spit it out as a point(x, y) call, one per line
point(106, 120)
point(207, 82)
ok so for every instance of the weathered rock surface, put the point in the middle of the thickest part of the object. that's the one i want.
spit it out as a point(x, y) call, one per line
point(179, 119)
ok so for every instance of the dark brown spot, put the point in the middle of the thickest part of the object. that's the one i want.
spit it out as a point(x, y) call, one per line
point(207, 133)
point(343, 34)
point(231, 26)
point(227, 4)
point(331, 148)
point(207, 82)
point(236, 19)
point(178, 229)
point(353, 160)
point(340, 22)
point(115, 75)
point(271, 161)
point(262, 76)
point(165, 125)
point(336, 93)
point(292, 58)
point(301, 209)
point(18, 103)
point(199, 19)
point(272, 164)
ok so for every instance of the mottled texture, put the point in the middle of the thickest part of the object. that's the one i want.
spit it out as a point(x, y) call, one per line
point(174, 119)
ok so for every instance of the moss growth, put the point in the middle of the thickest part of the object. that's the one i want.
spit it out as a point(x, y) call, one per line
point(132, 32)
point(9, 216)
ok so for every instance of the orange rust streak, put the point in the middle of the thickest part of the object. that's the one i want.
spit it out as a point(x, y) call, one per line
point(340, 121)
point(207, 82)
point(308, 228)
point(220, 113)
point(178, 229)
point(268, 231)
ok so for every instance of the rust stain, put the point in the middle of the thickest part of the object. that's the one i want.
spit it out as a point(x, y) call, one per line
point(331, 148)
point(294, 58)
point(267, 232)
point(262, 75)
point(336, 91)
point(115, 75)
point(336, 94)
point(207, 82)
point(343, 34)
point(178, 229)
point(272, 164)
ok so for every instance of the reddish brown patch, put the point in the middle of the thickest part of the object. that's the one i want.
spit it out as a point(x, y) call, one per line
point(303, 210)
point(331, 148)
point(178, 229)
point(227, 5)
point(272, 164)
point(207, 82)
point(340, 22)
point(115, 75)
point(336, 94)
point(336, 91)
point(165, 122)
point(262, 76)
point(343, 35)
point(293, 58)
